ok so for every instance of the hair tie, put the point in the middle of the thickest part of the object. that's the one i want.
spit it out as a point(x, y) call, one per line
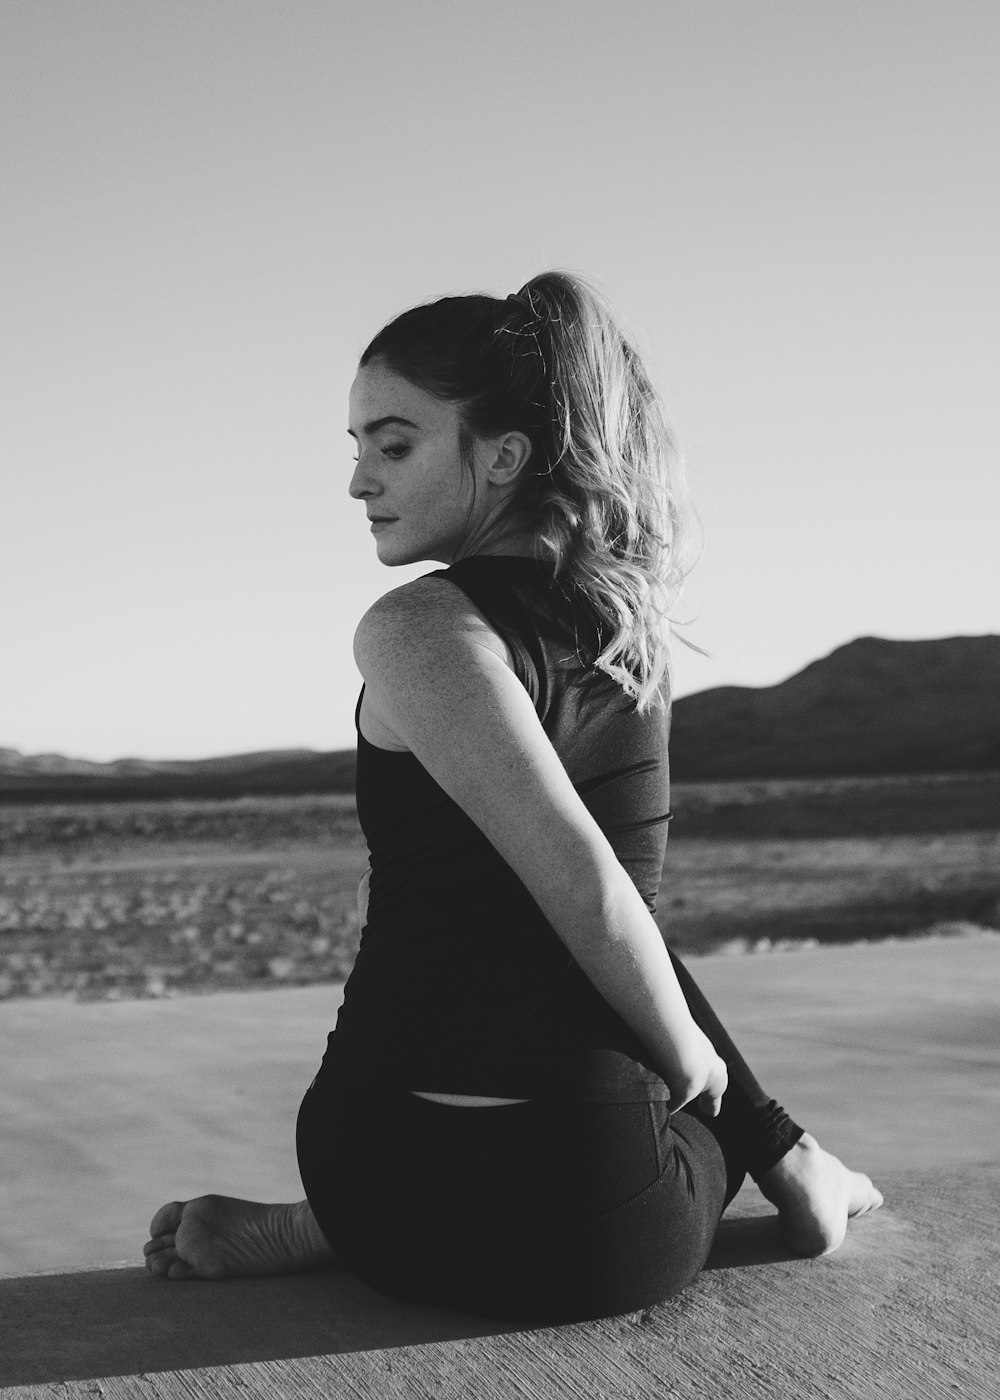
point(536, 319)
point(532, 319)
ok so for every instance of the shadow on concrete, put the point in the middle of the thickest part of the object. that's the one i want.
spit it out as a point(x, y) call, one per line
point(747, 1241)
point(908, 1306)
point(122, 1321)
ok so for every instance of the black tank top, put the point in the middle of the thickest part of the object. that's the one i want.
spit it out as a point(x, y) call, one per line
point(461, 985)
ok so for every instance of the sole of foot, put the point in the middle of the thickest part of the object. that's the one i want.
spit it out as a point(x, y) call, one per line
point(216, 1237)
point(816, 1195)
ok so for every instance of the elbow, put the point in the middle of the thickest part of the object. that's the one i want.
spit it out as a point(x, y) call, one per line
point(602, 905)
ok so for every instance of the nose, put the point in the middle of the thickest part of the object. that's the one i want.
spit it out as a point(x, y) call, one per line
point(361, 486)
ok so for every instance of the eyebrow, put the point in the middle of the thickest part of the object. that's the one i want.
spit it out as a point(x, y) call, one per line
point(376, 423)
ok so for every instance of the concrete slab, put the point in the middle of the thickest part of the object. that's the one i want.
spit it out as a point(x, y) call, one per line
point(907, 1307)
point(889, 1053)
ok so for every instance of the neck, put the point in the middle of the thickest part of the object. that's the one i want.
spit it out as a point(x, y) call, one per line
point(509, 539)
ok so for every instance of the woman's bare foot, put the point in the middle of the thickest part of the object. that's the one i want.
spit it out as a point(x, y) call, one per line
point(815, 1195)
point(222, 1237)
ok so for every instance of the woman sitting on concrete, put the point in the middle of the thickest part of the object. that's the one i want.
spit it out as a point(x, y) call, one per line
point(527, 1109)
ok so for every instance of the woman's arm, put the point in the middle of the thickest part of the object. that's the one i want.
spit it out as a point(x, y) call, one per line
point(437, 679)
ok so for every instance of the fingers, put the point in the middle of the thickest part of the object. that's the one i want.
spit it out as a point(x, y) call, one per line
point(363, 897)
point(710, 1100)
point(710, 1103)
point(704, 1084)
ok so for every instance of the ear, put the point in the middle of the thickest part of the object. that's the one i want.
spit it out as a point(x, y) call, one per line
point(506, 457)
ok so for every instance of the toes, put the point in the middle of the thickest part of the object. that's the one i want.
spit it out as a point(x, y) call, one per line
point(159, 1261)
point(167, 1263)
point(874, 1201)
point(864, 1195)
point(167, 1218)
point(155, 1245)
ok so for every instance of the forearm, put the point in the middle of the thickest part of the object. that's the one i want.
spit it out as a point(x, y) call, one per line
point(616, 942)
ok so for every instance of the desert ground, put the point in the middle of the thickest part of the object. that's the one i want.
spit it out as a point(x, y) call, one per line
point(119, 1089)
point(886, 1051)
point(124, 900)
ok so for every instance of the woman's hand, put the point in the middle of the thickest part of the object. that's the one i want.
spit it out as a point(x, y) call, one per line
point(703, 1078)
point(363, 897)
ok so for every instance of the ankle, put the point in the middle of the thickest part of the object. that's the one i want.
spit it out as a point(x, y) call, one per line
point(791, 1164)
point(780, 1135)
point(305, 1230)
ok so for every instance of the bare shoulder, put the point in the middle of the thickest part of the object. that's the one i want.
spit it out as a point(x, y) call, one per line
point(430, 661)
point(427, 622)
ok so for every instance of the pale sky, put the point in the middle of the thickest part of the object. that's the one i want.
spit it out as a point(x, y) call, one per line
point(211, 205)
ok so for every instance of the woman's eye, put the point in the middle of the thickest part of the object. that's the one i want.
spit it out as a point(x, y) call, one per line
point(392, 450)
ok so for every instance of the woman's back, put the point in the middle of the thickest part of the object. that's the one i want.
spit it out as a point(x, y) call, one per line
point(461, 984)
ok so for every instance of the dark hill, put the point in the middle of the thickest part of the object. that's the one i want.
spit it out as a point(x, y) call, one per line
point(52, 778)
point(870, 707)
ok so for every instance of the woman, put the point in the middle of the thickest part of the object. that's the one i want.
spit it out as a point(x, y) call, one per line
point(527, 1108)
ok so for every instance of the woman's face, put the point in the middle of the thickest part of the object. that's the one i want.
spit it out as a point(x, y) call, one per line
point(420, 497)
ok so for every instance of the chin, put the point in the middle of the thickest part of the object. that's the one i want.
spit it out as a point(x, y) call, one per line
point(394, 555)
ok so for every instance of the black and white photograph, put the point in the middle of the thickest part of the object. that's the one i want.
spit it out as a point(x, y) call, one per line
point(449, 448)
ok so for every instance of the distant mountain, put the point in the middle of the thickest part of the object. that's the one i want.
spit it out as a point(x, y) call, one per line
point(871, 707)
point(52, 778)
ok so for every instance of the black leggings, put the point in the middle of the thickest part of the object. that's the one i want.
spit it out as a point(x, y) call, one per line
point(543, 1211)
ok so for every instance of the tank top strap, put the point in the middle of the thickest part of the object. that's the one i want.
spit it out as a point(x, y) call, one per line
point(499, 586)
